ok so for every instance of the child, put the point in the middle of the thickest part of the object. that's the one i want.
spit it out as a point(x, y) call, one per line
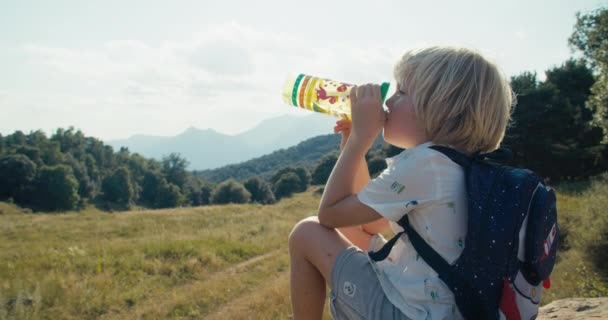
point(445, 96)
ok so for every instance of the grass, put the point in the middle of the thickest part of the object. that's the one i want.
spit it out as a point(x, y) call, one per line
point(157, 264)
point(216, 262)
point(582, 268)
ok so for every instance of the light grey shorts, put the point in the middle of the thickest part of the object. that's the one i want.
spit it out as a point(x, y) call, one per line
point(355, 290)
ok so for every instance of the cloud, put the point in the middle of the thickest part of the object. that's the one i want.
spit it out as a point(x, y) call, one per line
point(521, 35)
point(223, 58)
point(227, 77)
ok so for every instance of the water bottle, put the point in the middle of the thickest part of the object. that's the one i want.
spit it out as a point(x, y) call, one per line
point(322, 95)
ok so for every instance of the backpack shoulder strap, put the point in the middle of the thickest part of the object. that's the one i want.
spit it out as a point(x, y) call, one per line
point(458, 157)
point(465, 161)
point(430, 256)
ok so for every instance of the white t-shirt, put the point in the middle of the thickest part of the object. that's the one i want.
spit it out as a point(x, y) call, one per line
point(426, 185)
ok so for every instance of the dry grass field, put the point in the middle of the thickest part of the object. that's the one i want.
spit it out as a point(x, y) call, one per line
point(213, 262)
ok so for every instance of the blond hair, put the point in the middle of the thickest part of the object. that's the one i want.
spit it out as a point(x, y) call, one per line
point(462, 99)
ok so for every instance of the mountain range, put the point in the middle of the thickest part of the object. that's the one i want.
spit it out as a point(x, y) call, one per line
point(305, 154)
point(208, 149)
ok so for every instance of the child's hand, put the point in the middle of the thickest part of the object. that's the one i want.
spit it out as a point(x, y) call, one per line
point(343, 126)
point(367, 113)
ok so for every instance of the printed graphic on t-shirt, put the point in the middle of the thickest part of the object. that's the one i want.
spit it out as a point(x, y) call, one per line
point(397, 187)
point(452, 206)
point(349, 288)
point(412, 203)
point(434, 295)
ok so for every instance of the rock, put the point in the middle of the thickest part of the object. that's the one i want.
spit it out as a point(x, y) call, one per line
point(575, 308)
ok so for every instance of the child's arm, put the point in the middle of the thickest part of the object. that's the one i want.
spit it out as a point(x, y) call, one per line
point(339, 205)
point(361, 179)
point(376, 227)
point(362, 172)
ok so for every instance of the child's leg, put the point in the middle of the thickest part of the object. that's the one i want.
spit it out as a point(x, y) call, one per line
point(357, 236)
point(313, 250)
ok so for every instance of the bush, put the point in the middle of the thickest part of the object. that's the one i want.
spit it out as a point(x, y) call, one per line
point(57, 189)
point(197, 191)
point(168, 196)
point(230, 191)
point(287, 184)
point(301, 172)
point(118, 188)
point(260, 190)
point(581, 269)
point(205, 193)
point(200, 195)
point(158, 193)
point(152, 181)
point(596, 207)
point(390, 150)
point(323, 169)
point(17, 172)
point(376, 166)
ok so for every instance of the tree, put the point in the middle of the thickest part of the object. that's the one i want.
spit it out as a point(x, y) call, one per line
point(97, 150)
point(152, 182)
point(375, 166)
point(51, 154)
point(85, 185)
point(323, 169)
point(138, 167)
point(37, 139)
point(524, 83)
point(260, 190)
point(93, 172)
point(205, 193)
point(17, 173)
point(33, 153)
point(15, 139)
point(168, 196)
point(301, 172)
point(117, 187)
point(108, 157)
point(195, 193)
point(552, 131)
point(591, 37)
point(174, 169)
point(70, 141)
point(287, 184)
point(390, 150)
point(230, 191)
point(158, 193)
point(57, 189)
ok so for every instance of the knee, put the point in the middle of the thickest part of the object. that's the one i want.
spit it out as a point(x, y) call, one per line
point(302, 231)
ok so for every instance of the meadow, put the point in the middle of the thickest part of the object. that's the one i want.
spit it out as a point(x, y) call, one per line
point(216, 262)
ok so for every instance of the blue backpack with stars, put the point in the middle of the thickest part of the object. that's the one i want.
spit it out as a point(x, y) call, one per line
point(510, 245)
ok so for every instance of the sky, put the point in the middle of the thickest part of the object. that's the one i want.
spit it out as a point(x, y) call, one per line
point(116, 68)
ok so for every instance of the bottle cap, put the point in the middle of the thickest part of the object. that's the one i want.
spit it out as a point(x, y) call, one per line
point(384, 90)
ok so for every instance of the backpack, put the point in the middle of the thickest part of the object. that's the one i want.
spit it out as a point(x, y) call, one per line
point(510, 245)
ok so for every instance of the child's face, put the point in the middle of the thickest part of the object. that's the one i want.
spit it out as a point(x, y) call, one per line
point(402, 128)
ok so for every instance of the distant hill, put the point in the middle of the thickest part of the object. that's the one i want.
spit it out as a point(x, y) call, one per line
point(207, 149)
point(305, 154)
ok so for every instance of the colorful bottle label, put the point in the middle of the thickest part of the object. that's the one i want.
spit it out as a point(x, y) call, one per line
point(321, 95)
